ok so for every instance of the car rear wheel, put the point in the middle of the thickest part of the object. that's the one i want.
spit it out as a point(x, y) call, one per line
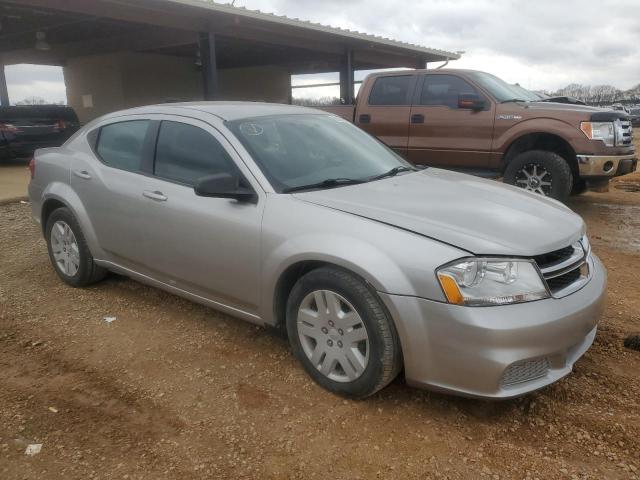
point(68, 250)
point(341, 333)
point(538, 171)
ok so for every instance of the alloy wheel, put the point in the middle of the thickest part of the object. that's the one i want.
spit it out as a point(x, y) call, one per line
point(65, 248)
point(535, 178)
point(333, 336)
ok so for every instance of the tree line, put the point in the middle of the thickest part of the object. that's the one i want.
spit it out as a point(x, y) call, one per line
point(599, 94)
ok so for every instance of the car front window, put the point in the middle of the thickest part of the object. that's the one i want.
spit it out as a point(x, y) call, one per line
point(306, 149)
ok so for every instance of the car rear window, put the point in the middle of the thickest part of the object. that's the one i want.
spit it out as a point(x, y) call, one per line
point(391, 91)
point(120, 145)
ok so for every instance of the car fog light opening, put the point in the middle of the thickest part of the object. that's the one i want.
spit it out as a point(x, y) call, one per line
point(485, 282)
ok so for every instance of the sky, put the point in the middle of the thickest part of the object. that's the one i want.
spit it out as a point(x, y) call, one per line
point(542, 44)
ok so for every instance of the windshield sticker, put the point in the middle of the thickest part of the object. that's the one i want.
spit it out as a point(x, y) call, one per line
point(251, 129)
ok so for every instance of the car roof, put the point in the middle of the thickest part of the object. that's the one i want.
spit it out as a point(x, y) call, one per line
point(223, 110)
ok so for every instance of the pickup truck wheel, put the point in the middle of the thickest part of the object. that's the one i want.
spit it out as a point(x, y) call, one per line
point(341, 333)
point(542, 172)
point(68, 250)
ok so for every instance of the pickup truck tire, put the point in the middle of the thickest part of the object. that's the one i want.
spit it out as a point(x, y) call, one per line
point(579, 186)
point(341, 333)
point(63, 234)
point(540, 171)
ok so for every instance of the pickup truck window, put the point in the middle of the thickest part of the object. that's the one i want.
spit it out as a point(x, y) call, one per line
point(390, 91)
point(444, 90)
point(500, 89)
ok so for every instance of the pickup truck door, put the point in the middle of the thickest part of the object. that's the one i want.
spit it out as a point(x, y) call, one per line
point(384, 110)
point(441, 133)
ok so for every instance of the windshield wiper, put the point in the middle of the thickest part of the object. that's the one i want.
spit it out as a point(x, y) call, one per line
point(392, 173)
point(514, 100)
point(328, 183)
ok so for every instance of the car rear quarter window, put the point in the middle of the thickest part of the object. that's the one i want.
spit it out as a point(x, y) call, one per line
point(390, 90)
point(186, 153)
point(444, 90)
point(120, 145)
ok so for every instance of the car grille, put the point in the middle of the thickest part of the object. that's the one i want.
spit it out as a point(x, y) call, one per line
point(524, 371)
point(565, 270)
point(626, 130)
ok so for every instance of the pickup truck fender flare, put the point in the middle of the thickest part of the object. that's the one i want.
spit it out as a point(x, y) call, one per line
point(64, 194)
point(546, 126)
point(360, 257)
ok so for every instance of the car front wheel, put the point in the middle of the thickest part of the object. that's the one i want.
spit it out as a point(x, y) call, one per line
point(341, 333)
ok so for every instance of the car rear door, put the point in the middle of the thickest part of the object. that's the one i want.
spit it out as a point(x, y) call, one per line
point(442, 133)
point(207, 246)
point(385, 109)
point(108, 184)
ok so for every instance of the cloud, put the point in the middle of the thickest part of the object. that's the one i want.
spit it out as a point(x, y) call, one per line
point(546, 43)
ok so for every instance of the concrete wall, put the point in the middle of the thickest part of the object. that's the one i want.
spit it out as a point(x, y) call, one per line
point(100, 84)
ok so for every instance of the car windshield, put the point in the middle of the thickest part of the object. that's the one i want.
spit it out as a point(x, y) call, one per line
point(315, 150)
point(497, 87)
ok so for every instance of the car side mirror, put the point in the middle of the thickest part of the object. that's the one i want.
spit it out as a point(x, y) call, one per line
point(470, 102)
point(224, 185)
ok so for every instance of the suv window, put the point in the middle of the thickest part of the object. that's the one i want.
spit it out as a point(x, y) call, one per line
point(120, 145)
point(185, 153)
point(444, 90)
point(390, 91)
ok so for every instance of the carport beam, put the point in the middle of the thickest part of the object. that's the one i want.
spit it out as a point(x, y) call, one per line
point(4, 92)
point(346, 78)
point(207, 43)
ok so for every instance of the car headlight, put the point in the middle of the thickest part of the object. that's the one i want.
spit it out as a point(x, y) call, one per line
point(484, 282)
point(604, 131)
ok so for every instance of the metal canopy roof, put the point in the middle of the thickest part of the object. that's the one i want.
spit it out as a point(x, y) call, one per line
point(244, 37)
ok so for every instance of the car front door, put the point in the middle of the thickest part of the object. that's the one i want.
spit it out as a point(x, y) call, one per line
point(443, 131)
point(206, 246)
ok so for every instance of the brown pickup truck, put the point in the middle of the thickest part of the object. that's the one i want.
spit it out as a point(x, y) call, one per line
point(475, 122)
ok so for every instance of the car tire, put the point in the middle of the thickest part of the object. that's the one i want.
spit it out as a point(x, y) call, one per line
point(68, 250)
point(542, 172)
point(350, 366)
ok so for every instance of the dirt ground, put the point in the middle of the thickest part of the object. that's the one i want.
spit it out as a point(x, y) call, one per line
point(174, 390)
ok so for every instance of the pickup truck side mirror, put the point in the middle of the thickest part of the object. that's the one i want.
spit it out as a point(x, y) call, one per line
point(469, 101)
point(224, 185)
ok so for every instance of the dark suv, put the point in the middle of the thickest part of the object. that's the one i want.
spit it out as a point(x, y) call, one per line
point(25, 128)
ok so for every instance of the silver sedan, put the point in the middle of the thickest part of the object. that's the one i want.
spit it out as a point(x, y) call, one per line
point(294, 218)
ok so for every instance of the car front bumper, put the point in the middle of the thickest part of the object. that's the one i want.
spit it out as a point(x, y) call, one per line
point(602, 166)
point(496, 352)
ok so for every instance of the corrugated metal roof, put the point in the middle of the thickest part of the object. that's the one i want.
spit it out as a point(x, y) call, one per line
point(318, 27)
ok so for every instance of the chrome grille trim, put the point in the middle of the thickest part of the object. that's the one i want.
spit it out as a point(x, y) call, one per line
point(577, 267)
point(625, 132)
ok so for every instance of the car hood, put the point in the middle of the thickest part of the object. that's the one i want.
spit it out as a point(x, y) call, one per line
point(476, 215)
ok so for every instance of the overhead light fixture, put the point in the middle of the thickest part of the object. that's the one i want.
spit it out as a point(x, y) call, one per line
point(41, 42)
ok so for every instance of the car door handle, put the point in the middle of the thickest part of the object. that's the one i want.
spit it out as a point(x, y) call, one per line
point(156, 195)
point(365, 118)
point(82, 174)
point(417, 118)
